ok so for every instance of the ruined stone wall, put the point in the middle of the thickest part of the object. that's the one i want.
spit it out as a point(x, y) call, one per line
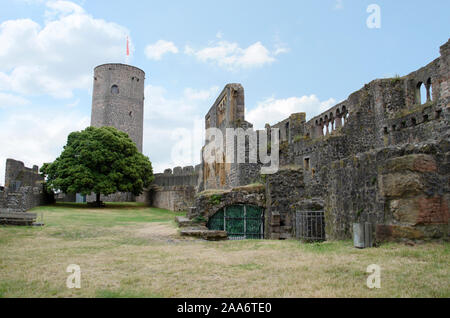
point(227, 112)
point(174, 190)
point(17, 175)
point(381, 156)
point(23, 187)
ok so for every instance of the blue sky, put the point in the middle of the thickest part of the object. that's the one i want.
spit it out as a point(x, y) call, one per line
point(290, 56)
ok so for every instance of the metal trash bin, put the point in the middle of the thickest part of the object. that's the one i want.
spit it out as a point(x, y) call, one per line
point(363, 235)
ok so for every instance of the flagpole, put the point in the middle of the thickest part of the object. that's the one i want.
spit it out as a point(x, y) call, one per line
point(127, 57)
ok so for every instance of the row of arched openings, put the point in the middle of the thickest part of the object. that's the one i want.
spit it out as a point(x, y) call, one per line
point(330, 122)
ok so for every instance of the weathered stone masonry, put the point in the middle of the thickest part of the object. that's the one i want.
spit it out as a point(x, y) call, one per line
point(175, 190)
point(118, 99)
point(23, 188)
point(380, 156)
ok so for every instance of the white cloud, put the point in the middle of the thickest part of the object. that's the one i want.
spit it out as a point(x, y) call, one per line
point(39, 139)
point(273, 110)
point(62, 8)
point(58, 57)
point(156, 50)
point(9, 100)
point(173, 126)
point(232, 57)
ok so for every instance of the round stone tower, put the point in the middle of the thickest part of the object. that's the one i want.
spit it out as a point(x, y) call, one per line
point(118, 99)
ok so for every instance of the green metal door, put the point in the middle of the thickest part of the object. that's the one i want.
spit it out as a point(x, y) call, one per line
point(240, 221)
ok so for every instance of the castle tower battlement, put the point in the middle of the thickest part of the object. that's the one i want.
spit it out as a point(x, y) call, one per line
point(118, 99)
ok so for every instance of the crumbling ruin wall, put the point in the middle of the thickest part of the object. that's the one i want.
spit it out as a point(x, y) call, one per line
point(380, 156)
point(227, 112)
point(24, 188)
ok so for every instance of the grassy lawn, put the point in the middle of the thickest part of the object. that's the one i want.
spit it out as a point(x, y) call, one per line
point(129, 250)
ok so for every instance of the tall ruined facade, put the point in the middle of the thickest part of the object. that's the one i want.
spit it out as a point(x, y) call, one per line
point(381, 156)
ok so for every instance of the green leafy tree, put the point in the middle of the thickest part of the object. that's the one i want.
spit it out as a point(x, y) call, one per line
point(101, 161)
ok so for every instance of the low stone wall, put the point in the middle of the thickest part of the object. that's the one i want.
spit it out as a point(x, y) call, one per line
point(65, 197)
point(23, 199)
point(175, 198)
point(115, 197)
point(145, 197)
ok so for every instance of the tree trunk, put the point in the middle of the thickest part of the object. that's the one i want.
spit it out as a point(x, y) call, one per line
point(98, 199)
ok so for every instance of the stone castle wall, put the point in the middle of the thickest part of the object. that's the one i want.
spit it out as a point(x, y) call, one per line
point(380, 156)
point(175, 190)
point(23, 188)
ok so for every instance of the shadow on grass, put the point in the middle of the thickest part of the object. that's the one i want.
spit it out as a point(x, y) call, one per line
point(109, 205)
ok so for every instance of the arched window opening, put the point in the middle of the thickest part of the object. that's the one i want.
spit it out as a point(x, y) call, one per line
point(115, 90)
point(421, 94)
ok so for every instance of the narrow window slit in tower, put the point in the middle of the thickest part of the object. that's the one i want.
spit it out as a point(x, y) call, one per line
point(306, 163)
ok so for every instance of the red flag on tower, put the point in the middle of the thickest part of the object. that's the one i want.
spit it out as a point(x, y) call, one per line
point(128, 48)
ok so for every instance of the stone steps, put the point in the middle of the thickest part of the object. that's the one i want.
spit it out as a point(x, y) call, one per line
point(199, 230)
point(183, 221)
point(17, 218)
point(204, 233)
